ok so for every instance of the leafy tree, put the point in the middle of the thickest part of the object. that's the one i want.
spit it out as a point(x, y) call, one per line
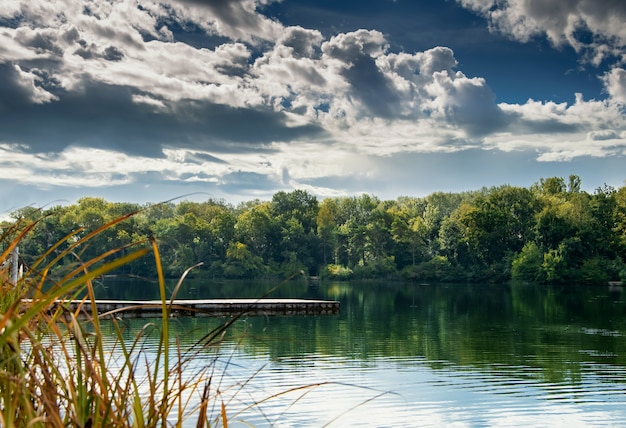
point(409, 232)
point(241, 263)
point(550, 232)
point(258, 229)
point(327, 229)
point(574, 184)
point(296, 215)
point(552, 185)
point(527, 265)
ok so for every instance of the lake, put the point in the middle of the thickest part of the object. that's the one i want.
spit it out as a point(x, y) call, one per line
point(403, 355)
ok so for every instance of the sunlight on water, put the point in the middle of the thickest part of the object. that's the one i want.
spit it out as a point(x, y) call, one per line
point(443, 366)
point(317, 390)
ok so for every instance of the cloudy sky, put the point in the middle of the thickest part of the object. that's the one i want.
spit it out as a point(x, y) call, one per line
point(142, 100)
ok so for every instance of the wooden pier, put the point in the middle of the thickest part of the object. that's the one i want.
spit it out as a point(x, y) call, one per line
point(213, 307)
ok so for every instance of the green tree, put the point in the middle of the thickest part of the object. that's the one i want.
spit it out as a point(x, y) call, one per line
point(409, 232)
point(552, 185)
point(241, 263)
point(296, 215)
point(528, 264)
point(327, 230)
point(258, 229)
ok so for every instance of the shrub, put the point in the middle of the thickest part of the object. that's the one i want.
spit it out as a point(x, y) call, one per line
point(527, 265)
point(337, 272)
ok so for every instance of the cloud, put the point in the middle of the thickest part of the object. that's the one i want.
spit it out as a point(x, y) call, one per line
point(466, 102)
point(102, 116)
point(357, 52)
point(592, 27)
point(615, 84)
point(235, 19)
point(19, 88)
point(259, 103)
point(604, 135)
point(562, 132)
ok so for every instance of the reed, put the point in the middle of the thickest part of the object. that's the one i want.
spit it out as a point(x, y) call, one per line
point(59, 368)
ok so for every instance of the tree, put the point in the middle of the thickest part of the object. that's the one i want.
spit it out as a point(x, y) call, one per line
point(241, 263)
point(327, 229)
point(296, 216)
point(410, 231)
point(499, 223)
point(574, 184)
point(527, 265)
point(552, 185)
point(258, 229)
point(299, 205)
point(354, 215)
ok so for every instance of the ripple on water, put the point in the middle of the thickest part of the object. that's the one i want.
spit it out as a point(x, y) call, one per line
point(314, 389)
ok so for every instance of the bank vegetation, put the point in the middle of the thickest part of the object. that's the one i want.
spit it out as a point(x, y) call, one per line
point(551, 232)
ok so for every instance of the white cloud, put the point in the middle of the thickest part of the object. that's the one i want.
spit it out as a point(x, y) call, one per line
point(562, 132)
point(351, 100)
point(28, 80)
point(563, 22)
point(603, 135)
point(104, 168)
point(236, 19)
point(615, 84)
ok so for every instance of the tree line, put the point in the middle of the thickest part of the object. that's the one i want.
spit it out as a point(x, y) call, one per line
point(551, 232)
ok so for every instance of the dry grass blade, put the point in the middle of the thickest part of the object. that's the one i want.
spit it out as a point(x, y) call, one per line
point(224, 418)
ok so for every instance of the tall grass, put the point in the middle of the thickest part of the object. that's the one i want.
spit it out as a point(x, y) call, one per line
point(56, 367)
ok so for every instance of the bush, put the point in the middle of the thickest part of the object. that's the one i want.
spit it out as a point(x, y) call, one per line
point(527, 265)
point(438, 268)
point(337, 272)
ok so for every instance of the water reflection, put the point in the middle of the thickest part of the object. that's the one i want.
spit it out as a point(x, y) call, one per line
point(426, 355)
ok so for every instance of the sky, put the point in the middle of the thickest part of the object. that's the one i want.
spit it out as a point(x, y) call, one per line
point(144, 101)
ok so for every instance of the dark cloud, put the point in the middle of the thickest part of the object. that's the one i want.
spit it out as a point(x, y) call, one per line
point(607, 134)
point(105, 116)
point(544, 126)
point(113, 54)
point(242, 182)
point(476, 111)
point(372, 87)
point(40, 41)
point(12, 94)
point(369, 84)
point(92, 51)
point(305, 43)
point(87, 51)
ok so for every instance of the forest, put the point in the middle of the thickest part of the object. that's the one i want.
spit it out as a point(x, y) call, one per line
point(551, 232)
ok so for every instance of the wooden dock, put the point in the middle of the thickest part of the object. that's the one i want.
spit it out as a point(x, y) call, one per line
point(212, 307)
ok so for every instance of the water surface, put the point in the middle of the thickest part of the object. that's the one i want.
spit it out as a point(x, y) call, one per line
point(416, 355)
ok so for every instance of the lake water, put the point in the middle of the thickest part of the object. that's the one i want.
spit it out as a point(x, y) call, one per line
point(415, 355)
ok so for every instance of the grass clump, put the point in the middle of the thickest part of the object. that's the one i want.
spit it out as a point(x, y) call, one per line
point(56, 367)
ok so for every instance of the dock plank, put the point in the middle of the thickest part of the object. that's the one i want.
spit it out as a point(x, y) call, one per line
point(207, 307)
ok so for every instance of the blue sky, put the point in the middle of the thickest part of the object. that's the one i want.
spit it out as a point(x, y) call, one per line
point(143, 101)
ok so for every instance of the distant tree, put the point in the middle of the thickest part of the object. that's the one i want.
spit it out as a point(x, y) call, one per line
point(552, 185)
point(574, 184)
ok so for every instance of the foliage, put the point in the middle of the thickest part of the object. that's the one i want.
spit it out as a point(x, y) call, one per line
point(550, 232)
point(336, 272)
point(527, 264)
